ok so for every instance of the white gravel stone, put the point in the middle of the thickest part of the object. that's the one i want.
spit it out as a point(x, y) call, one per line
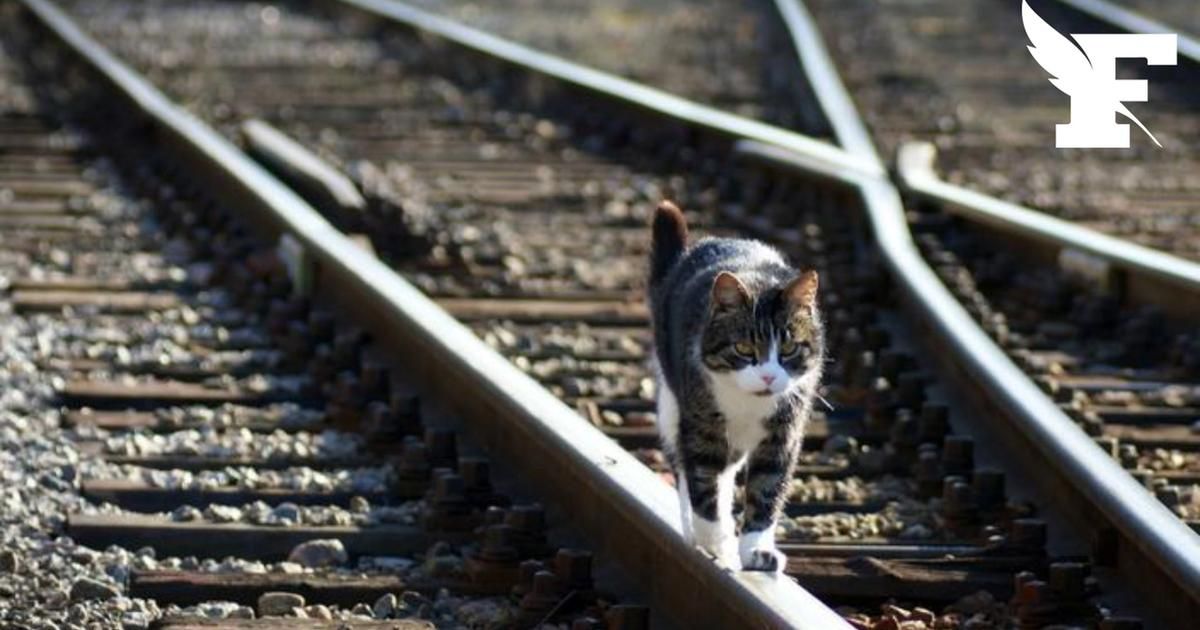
point(87, 588)
point(41, 572)
point(279, 603)
point(485, 613)
point(10, 562)
point(319, 553)
point(223, 514)
point(385, 606)
point(135, 621)
point(185, 513)
point(288, 513)
point(223, 610)
point(394, 564)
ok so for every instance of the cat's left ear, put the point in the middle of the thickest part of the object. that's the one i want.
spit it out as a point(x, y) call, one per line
point(801, 292)
point(728, 292)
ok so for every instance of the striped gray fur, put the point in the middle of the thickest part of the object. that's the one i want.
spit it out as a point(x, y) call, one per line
point(740, 348)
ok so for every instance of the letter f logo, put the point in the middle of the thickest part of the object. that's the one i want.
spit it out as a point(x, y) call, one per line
point(1088, 74)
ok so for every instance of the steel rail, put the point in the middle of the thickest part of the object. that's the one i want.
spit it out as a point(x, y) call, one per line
point(1134, 22)
point(850, 131)
point(732, 126)
point(1094, 483)
point(618, 502)
point(301, 169)
point(1150, 274)
point(1083, 469)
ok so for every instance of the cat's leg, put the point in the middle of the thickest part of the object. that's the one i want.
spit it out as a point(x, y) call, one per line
point(710, 482)
point(685, 507)
point(768, 477)
point(667, 415)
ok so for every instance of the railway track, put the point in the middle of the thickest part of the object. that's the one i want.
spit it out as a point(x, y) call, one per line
point(1176, 17)
point(669, 44)
point(1066, 303)
point(919, 573)
point(1104, 327)
point(932, 73)
point(561, 191)
point(242, 449)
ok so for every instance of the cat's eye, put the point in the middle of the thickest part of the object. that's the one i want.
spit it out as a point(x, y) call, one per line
point(744, 348)
point(789, 348)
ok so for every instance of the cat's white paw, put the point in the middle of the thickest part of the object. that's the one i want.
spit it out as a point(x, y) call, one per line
point(767, 560)
point(758, 552)
point(718, 540)
point(725, 551)
point(685, 511)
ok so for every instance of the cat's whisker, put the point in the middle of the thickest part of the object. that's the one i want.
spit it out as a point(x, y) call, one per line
point(825, 402)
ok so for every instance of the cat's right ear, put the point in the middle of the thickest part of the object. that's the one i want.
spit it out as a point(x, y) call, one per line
point(728, 293)
point(801, 292)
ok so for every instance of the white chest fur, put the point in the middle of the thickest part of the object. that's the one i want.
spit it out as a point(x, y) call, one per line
point(745, 414)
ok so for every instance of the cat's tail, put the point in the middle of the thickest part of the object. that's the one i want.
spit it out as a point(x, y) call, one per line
point(669, 239)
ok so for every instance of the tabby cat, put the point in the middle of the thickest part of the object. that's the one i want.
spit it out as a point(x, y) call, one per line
point(740, 349)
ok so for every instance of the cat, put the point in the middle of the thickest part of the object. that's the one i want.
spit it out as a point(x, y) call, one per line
point(739, 348)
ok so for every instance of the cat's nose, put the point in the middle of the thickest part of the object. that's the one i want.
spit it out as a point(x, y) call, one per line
point(768, 379)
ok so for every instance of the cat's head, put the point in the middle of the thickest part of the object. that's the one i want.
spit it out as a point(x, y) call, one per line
point(763, 341)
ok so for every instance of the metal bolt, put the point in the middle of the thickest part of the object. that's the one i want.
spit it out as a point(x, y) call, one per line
point(498, 544)
point(442, 445)
point(1121, 623)
point(1068, 580)
point(374, 379)
point(494, 515)
point(933, 423)
point(321, 325)
point(988, 488)
point(627, 617)
point(1028, 533)
point(958, 455)
point(928, 472)
point(414, 461)
point(527, 569)
point(910, 390)
point(545, 595)
point(406, 410)
point(574, 568)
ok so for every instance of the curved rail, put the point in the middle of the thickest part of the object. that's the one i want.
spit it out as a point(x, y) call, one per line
point(1134, 22)
point(1085, 474)
point(849, 130)
point(616, 500)
point(730, 125)
point(1152, 275)
point(1088, 478)
point(1081, 467)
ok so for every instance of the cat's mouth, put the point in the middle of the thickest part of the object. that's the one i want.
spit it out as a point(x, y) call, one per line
point(763, 392)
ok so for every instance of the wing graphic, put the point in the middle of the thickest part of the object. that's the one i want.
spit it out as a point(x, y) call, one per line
point(1059, 56)
point(1065, 60)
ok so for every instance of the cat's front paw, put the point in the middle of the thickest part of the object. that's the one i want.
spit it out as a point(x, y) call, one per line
point(725, 551)
point(759, 553)
point(768, 560)
point(713, 539)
